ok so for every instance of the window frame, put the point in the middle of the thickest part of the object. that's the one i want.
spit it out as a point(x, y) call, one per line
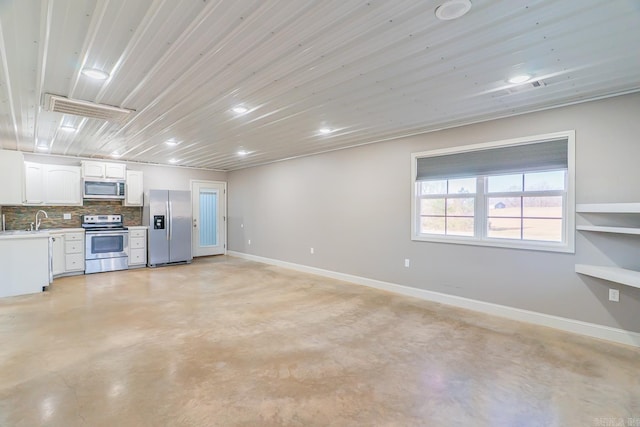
point(481, 214)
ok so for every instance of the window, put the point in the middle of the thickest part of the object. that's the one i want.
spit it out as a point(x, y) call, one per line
point(516, 193)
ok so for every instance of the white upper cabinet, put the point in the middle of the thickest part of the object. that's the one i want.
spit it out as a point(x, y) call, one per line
point(134, 191)
point(115, 170)
point(103, 170)
point(11, 177)
point(62, 185)
point(52, 184)
point(33, 183)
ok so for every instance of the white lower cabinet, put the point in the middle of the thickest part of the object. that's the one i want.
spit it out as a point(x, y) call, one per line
point(68, 252)
point(59, 266)
point(137, 247)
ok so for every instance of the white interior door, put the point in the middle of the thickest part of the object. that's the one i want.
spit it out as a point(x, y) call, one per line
point(209, 217)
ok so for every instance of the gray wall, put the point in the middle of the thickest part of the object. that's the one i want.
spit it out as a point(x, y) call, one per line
point(353, 207)
point(173, 178)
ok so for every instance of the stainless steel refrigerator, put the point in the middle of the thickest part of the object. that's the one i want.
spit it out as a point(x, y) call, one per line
point(168, 215)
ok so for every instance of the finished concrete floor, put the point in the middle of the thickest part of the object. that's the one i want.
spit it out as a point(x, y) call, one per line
point(227, 342)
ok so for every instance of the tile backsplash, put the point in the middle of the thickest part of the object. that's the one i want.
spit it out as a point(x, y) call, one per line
point(20, 217)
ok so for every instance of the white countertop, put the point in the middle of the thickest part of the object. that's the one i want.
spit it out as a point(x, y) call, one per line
point(19, 234)
point(64, 230)
point(43, 232)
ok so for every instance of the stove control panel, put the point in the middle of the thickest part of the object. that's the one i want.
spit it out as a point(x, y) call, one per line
point(102, 219)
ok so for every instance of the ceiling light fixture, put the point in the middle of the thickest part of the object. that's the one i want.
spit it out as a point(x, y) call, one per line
point(95, 73)
point(116, 155)
point(68, 128)
point(452, 9)
point(239, 109)
point(325, 131)
point(242, 152)
point(520, 79)
point(42, 147)
point(172, 142)
point(174, 161)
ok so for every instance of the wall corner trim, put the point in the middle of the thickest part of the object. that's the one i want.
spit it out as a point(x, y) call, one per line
point(592, 330)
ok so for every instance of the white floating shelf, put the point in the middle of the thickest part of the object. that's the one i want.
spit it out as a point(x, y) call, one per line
point(608, 208)
point(612, 274)
point(603, 229)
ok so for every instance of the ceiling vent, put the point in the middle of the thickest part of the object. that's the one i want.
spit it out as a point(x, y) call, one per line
point(525, 87)
point(91, 110)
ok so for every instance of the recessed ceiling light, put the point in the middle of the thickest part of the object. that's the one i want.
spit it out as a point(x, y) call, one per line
point(520, 78)
point(240, 109)
point(116, 155)
point(174, 161)
point(68, 128)
point(43, 147)
point(96, 74)
point(172, 142)
point(452, 9)
point(242, 152)
point(325, 131)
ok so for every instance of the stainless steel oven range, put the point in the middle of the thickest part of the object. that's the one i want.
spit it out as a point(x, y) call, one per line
point(106, 243)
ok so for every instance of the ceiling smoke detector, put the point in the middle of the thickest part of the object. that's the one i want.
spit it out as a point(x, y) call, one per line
point(452, 9)
point(91, 110)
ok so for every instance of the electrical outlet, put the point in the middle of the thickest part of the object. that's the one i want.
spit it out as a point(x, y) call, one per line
point(66, 216)
point(614, 295)
point(311, 251)
point(407, 262)
point(249, 241)
point(241, 225)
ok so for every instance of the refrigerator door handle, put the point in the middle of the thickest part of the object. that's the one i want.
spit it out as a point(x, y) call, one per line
point(166, 226)
point(170, 221)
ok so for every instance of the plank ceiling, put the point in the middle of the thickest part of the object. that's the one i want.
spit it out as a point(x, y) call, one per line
point(368, 70)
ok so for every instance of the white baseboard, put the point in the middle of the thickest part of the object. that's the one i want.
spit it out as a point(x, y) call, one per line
point(570, 325)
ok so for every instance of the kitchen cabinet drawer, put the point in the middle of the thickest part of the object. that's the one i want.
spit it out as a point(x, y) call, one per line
point(74, 236)
point(137, 243)
point(74, 262)
point(138, 256)
point(137, 233)
point(73, 247)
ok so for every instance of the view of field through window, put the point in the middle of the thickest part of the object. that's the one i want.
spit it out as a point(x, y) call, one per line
point(525, 206)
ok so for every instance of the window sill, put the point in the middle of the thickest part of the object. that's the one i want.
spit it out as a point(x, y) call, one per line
point(530, 245)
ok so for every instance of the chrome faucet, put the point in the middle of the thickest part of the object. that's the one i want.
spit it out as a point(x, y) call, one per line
point(38, 221)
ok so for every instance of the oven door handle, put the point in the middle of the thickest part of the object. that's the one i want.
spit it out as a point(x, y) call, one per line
point(106, 234)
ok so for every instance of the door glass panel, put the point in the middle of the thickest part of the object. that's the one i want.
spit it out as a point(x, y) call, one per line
point(208, 215)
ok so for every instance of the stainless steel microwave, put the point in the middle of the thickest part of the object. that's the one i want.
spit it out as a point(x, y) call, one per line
point(103, 189)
